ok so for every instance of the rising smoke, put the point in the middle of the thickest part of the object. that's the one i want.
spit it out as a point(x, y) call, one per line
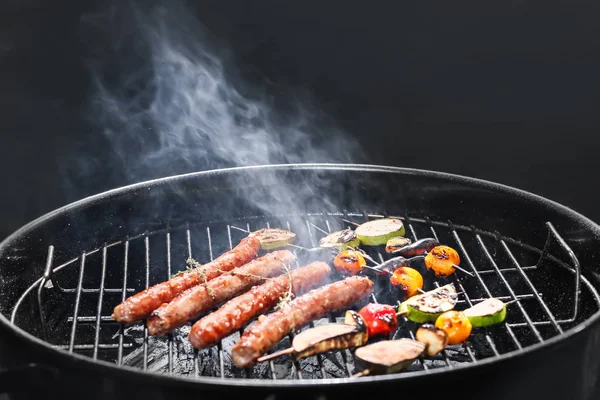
point(167, 99)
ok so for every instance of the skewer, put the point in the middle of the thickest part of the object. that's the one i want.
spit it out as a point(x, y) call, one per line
point(361, 373)
point(316, 227)
point(350, 222)
point(279, 353)
point(463, 270)
point(298, 247)
point(239, 229)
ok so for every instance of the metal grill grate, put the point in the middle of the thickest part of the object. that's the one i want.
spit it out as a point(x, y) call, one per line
point(75, 299)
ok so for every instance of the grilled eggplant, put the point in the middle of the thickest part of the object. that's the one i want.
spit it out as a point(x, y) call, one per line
point(340, 240)
point(379, 231)
point(417, 248)
point(397, 243)
point(324, 338)
point(272, 238)
point(488, 312)
point(388, 356)
point(427, 307)
point(435, 339)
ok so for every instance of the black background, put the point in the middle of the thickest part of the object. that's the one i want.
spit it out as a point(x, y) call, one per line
point(504, 90)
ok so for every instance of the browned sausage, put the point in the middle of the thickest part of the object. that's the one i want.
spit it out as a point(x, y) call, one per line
point(201, 298)
point(238, 311)
point(141, 305)
point(267, 332)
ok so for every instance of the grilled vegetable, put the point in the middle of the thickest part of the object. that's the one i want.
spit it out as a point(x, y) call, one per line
point(418, 248)
point(435, 339)
point(353, 318)
point(427, 307)
point(389, 266)
point(442, 260)
point(488, 312)
point(388, 356)
point(396, 243)
point(340, 240)
point(407, 280)
point(379, 231)
point(349, 262)
point(322, 339)
point(272, 238)
point(456, 325)
point(381, 319)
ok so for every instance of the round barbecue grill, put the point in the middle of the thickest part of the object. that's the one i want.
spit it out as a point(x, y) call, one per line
point(62, 275)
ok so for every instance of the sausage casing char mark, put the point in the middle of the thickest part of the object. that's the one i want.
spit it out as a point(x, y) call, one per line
point(237, 312)
point(141, 305)
point(204, 297)
point(267, 332)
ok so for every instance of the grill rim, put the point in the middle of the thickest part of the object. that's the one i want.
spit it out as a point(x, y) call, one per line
point(132, 372)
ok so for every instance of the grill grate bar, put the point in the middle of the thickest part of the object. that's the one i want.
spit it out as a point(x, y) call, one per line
point(220, 345)
point(102, 346)
point(100, 298)
point(532, 287)
point(170, 335)
point(76, 308)
point(506, 284)
point(123, 296)
point(295, 363)
point(481, 282)
point(147, 247)
point(196, 360)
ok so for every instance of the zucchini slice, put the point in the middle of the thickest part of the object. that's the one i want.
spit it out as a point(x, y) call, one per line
point(428, 306)
point(340, 240)
point(488, 312)
point(379, 231)
point(389, 356)
point(272, 238)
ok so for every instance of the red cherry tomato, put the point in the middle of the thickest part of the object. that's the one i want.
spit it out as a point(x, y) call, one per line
point(380, 319)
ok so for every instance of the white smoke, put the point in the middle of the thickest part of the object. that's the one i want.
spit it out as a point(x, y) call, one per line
point(169, 101)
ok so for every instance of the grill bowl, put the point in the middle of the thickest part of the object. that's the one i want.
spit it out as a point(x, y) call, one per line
point(500, 231)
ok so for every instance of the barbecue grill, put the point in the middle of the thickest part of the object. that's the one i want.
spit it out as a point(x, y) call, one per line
point(62, 274)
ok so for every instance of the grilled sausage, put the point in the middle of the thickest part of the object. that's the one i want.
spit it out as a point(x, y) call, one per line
point(238, 311)
point(141, 305)
point(267, 332)
point(201, 298)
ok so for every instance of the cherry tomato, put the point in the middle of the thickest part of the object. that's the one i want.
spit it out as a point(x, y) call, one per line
point(408, 280)
point(380, 319)
point(441, 260)
point(456, 325)
point(349, 262)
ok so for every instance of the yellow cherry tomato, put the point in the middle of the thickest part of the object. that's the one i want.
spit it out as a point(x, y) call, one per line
point(441, 261)
point(456, 325)
point(408, 280)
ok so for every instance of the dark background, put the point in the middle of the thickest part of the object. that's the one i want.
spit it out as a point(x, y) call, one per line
point(504, 90)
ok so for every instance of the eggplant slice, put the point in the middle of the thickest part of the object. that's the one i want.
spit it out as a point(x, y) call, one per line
point(388, 356)
point(323, 338)
point(272, 238)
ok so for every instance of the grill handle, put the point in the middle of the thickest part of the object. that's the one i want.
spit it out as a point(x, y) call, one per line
point(27, 377)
